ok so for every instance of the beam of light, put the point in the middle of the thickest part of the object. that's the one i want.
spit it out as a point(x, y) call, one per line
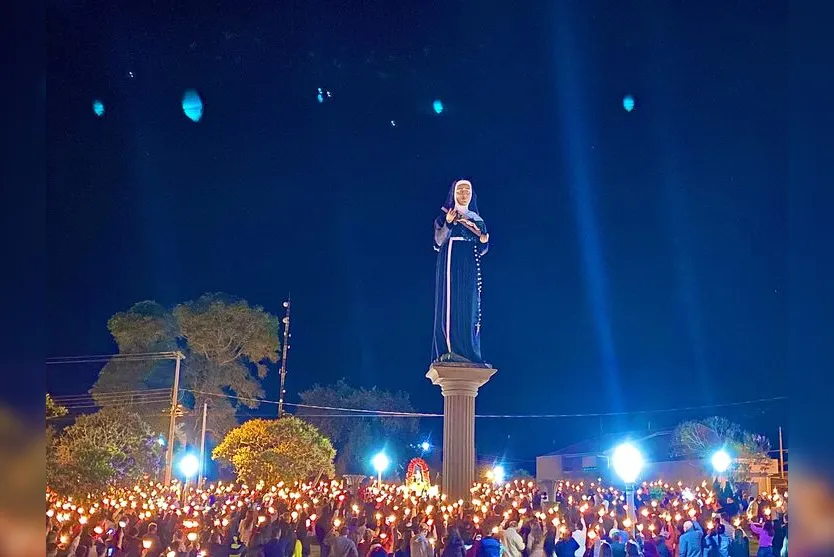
point(581, 182)
point(192, 105)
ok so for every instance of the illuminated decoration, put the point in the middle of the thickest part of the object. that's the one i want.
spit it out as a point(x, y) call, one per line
point(437, 105)
point(417, 475)
point(721, 461)
point(425, 446)
point(98, 108)
point(628, 103)
point(192, 105)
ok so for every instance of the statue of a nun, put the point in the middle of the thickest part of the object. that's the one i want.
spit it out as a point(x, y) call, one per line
point(461, 239)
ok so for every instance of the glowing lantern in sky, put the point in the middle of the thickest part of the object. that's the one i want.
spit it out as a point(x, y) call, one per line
point(98, 108)
point(628, 103)
point(437, 105)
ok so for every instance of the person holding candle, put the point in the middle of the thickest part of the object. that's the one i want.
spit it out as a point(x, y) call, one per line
point(511, 540)
point(454, 545)
point(151, 537)
point(419, 544)
point(566, 546)
point(765, 532)
point(535, 540)
point(740, 546)
point(660, 543)
point(580, 534)
point(340, 544)
point(718, 543)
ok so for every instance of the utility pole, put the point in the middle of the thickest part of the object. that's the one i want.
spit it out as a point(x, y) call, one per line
point(781, 456)
point(286, 347)
point(169, 455)
point(203, 448)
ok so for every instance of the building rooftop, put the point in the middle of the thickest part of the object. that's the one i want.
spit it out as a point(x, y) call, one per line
point(654, 446)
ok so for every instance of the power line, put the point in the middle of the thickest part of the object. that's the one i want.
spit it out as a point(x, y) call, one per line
point(116, 402)
point(362, 412)
point(126, 405)
point(505, 416)
point(358, 410)
point(109, 394)
point(98, 358)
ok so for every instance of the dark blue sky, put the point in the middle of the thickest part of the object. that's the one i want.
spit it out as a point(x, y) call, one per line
point(637, 260)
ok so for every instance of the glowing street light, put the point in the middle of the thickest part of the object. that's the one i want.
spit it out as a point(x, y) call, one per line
point(498, 474)
point(721, 461)
point(628, 462)
point(381, 463)
point(189, 465)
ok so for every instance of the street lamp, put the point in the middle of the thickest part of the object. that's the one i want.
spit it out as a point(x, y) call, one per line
point(498, 474)
point(188, 466)
point(627, 464)
point(380, 462)
point(721, 461)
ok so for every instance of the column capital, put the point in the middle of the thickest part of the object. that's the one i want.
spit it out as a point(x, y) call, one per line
point(459, 379)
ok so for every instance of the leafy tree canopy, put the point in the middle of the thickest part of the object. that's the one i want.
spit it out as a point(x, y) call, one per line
point(286, 450)
point(113, 447)
point(54, 410)
point(701, 438)
point(228, 346)
point(356, 438)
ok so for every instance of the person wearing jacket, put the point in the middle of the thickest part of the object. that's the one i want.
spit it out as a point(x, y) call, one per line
point(566, 546)
point(718, 543)
point(660, 542)
point(340, 544)
point(691, 542)
point(454, 545)
point(740, 546)
point(489, 547)
point(512, 541)
point(419, 544)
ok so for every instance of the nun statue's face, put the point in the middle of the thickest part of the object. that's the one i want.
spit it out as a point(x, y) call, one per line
point(463, 194)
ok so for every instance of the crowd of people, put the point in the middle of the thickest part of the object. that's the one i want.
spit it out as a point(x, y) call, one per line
point(514, 519)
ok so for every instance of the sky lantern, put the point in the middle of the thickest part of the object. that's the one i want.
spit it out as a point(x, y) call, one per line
point(628, 103)
point(437, 105)
point(98, 108)
point(192, 105)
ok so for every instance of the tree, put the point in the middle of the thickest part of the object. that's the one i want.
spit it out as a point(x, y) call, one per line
point(356, 437)
point(285, 450)
point(54, 410)
point(702, 438)
point(228, 347)
point(111, 448)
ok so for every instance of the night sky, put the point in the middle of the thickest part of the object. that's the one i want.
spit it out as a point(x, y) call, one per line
point(637, 259)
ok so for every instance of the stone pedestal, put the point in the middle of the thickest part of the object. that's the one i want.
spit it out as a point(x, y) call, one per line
point(459, 384)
